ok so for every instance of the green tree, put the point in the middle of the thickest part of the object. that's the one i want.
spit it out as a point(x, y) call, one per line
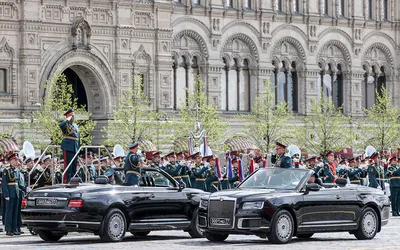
point(267, 122)
point(381, 124)
point(325, 127)
point(197, 106)
point(134, 119)
point(42, 125)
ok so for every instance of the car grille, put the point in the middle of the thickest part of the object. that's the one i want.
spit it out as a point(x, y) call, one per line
point(221, 213)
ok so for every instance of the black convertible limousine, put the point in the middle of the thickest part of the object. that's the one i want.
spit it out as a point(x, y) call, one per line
point(277, 204)
point(159, 203)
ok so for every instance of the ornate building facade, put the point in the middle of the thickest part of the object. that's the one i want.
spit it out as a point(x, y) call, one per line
point(345, 49)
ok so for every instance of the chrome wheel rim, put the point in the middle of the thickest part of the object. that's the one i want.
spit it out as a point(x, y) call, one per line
point(369, 224)
point(284, 227)
point(116, 226)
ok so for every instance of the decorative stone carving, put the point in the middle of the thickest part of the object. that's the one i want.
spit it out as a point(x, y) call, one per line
point(141, 57)
point(6, 52)
point(81, 34)
point(143, 19)
point(53, 12)
point(8, 10)
point(102, 16)
point(78, 12)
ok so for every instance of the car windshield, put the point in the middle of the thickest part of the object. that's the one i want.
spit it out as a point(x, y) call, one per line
point(275, 178)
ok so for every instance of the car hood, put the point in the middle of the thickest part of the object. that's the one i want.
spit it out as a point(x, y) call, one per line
point(254, 194)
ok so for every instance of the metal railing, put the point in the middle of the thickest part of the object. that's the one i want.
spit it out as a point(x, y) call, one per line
point(52, 147)
point(84, 164)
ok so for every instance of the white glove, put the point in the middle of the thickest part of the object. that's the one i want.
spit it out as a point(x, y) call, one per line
point(39, 168)
point(69, 118)
point(28, 189)
point(7, 198)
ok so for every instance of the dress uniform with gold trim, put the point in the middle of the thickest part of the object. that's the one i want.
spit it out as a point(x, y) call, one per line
point(131, 166)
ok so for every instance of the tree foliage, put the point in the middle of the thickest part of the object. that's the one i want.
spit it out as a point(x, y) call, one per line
point(267, 122)
point(42, 125)
point(134, 119)
point(381, 126)
point(325, 127)
point(209, 118)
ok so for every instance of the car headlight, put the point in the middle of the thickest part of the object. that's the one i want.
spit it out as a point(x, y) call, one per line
point(253, 205)
point(204, 204)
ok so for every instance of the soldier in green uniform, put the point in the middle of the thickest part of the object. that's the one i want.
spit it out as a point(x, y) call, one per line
point(22, 191)
point(106, 169)
point(374, 171)
point(10, 190)
point(235, 177)
point(156, 159)
point(185, 171)
point(394, 174)
point(70, 143)
point(132, 166)
point(172, 167)
point(354, 172)
point(282, 159)
point(199, 172)
point(329, 167)
point(212, 182)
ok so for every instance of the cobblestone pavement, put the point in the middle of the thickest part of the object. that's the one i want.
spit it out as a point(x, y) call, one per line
point(388, 238)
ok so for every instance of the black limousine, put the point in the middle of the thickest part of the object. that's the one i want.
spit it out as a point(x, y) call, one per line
point(278, 204)
point(159, 203)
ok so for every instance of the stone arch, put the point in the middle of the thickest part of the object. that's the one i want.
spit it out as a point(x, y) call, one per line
point(6, 51)
point(194, 35)
point(240, 23)
point(141, 57)
point(379, 34)
point(323, 52)
point(96, 77)
point(294, 42)
point(195, 21)
point(244, 38)
point(289, 27)
point(382, 47)
point(329, 31)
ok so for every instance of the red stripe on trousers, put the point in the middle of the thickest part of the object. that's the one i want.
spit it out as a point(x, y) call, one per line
point(65, 165)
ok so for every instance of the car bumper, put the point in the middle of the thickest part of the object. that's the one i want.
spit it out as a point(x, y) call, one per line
point(248, 223)
point(385, 214)
point(64, 220)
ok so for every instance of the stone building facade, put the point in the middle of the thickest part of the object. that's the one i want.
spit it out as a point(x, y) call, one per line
point(346, 48)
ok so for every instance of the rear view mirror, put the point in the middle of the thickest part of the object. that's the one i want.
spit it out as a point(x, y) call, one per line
point(313, 187)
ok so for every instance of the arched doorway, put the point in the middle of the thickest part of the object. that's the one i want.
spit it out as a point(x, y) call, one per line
point(77, 87)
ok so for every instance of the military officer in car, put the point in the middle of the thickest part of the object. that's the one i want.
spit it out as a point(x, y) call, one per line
point(281, 159)
point(132, 166)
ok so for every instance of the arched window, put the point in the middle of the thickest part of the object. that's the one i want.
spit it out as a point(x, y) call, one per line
point(244, 97)
point(181, 78)
point(294, 89)
point(369, 87)
point(225, 86)
point(338, 87)
point(233, 87)
point(381, 81)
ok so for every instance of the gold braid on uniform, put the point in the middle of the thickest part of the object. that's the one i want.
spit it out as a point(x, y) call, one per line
point(47, 177)
point(132, 165)
point(9, 175)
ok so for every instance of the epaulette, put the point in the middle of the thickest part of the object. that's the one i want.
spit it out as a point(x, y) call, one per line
point(286, 155)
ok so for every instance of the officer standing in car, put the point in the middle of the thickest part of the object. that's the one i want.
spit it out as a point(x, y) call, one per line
point(132, 166)
point(282, 158)
point(329, 167)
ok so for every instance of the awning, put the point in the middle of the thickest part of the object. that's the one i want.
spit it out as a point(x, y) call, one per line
point(147, 146)
point(8, 145)
point(240, 144)
point(181, 144)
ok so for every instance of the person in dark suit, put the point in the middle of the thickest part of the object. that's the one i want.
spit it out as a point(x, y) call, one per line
point(70, 143)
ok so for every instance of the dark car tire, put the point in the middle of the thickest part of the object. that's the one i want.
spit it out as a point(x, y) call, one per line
point(195, 231)
point(282, 228)
point(304, 236)
point(113, 226)
point(49, 235)
point(368, 225)
point(215, 237)
point(141, 234)
point(32, 231)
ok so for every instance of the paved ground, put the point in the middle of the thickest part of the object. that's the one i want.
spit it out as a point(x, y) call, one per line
point(388, 238)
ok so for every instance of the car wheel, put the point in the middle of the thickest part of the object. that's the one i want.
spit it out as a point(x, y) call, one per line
point(304, 236)
point(49, 235)
point(282, 228)
point(215, 237)
point(32, 231)
point(113, 226)
point(141, 234)
point(195, 231)
point(368, 226)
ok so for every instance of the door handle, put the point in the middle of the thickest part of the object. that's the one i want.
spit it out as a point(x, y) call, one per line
point(338, 197)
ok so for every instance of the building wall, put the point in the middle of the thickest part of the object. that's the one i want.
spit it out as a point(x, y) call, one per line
point(233, 48)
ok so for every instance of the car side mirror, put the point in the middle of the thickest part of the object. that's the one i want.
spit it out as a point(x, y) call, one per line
point(236, 184)
point(313, 187)
point(181, 186)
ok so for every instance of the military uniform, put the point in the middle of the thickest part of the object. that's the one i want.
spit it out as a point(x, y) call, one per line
point(284, 161)
point(395, 190)
point(374, 173)
point(70, 144)
point(10, 189)
point(132, 168)
point(212, 182)
point(329, 169)
point(22, 191)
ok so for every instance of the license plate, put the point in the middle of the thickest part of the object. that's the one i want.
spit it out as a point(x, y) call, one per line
point(220, 221)
point(46, 202)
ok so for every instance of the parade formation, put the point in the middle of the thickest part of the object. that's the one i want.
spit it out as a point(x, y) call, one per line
point(26, 180)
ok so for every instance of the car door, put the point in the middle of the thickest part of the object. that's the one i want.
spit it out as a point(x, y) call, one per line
point(323, 208)
point(165, 201)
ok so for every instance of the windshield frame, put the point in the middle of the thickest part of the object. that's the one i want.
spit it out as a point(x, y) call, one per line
point(299, 186)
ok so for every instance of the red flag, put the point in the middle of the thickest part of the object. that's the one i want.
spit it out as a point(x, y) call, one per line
point(251, 166)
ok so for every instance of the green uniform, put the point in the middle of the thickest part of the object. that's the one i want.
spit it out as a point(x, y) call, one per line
point(395, 191)
point(199, 173)
point(132, 169)
point(354, 175)
point(174, 169)
point(212, 183)
point(185, 175)
point(11, 195)
point(374, 174)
